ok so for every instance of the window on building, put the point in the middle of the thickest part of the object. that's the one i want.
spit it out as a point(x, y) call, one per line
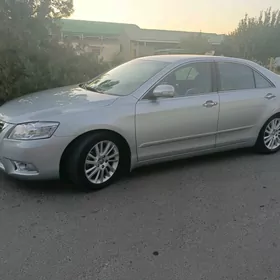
point(95, 50)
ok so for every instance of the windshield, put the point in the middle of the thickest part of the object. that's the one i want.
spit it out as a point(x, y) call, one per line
point(127, 77)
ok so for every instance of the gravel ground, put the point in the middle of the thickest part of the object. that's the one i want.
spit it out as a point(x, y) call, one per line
point(214, 217)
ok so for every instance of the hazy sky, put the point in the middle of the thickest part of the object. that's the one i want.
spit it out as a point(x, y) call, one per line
point(220, 16)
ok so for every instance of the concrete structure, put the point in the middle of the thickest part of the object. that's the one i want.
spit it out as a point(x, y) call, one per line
point(126, 41)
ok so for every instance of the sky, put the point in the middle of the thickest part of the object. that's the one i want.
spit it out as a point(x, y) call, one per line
point(218, 16)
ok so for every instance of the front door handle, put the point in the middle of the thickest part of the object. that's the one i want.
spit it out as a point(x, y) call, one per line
point(210, 103)
point(270, 96)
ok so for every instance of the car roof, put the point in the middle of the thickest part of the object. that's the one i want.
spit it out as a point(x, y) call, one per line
point(174, 58)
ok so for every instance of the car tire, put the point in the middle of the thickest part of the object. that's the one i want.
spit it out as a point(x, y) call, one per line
point(268, 141)
point(90, 171)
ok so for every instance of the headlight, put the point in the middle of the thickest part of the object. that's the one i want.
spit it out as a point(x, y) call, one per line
point(33, 130)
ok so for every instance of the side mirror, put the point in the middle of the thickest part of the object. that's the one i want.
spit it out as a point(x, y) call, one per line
point(166, 91)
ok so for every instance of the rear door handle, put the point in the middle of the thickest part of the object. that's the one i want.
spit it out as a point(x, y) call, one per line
point(270, 96)
point(210, 103)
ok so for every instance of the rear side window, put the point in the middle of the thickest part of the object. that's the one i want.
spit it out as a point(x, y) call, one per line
point(261, 82)
point(234, 76)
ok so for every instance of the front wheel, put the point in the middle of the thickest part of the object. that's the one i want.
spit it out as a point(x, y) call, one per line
point(97, 161)
point(269, 138)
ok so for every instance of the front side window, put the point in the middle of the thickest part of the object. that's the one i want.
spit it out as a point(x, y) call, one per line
point(234, 76)
point(191, 79)
point(126, 78)
point(186, 73)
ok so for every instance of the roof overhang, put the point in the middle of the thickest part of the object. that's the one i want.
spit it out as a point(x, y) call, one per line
point(156, 41)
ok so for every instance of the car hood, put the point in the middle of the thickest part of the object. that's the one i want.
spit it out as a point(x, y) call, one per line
point(44, 105)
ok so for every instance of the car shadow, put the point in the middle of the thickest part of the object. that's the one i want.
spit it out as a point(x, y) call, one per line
point(59, 187)
point(50, 186)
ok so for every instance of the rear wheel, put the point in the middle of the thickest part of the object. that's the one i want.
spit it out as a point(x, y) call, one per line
point(97, 160)
point(269, 138)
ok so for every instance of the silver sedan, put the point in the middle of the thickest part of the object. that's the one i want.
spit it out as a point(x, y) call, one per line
point(145, 111)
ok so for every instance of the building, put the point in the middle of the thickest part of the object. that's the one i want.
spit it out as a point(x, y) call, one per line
point(127, 41)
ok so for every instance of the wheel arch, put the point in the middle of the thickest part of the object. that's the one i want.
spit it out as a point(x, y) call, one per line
point(71, 145)
point(275, 113)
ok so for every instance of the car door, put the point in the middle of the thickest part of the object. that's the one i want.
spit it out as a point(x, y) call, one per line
point(184, 123)
point(245, 99)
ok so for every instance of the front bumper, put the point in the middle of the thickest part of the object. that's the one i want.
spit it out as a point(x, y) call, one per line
point(44, 155)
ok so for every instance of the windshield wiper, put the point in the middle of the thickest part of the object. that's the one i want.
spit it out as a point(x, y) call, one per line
point(82, 86)
point(94, 89)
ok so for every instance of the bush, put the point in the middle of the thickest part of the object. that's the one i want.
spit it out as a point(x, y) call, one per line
point(31, 61)
point(56, 66)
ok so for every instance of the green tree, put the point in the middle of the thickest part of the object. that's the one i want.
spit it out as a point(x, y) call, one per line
point(196, 44)
point(52, 8)
point(31, 59)
point(255, 38)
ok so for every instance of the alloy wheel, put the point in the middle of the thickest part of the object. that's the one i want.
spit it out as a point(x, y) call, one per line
point(101, 162)
point(272, 134)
